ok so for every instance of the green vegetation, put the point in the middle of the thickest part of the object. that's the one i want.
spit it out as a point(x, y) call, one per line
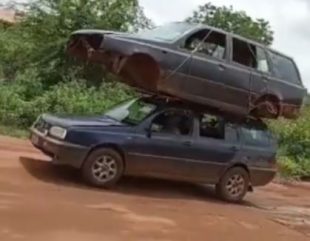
point(237, 22)
point(37, 76)
point(14, 131)
point(294, 141)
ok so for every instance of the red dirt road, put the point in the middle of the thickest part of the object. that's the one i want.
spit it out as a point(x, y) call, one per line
point(41, 202)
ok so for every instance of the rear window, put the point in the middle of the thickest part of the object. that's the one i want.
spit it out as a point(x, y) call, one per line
point(252, 136)
point(284, 68)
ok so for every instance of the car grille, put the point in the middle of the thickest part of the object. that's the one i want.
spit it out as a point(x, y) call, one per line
point(42, 126)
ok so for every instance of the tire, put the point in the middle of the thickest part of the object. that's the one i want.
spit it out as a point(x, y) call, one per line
point(267, 109)
point(103, 168)
point(226, 188)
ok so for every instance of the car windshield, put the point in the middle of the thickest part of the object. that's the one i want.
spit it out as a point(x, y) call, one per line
point(131, 112)
point(167, 33)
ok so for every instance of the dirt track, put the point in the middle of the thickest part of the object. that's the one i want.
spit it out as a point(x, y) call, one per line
point(40, 202)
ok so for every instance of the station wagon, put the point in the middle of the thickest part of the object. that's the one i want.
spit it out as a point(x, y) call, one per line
point(200, 64)
point(157, 138)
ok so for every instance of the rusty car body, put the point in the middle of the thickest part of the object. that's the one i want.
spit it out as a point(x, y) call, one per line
point(199, 64)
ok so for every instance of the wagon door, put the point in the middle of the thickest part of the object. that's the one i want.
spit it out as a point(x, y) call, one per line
point(260, 76)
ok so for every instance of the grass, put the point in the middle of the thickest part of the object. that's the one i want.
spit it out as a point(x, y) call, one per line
point(13, 132)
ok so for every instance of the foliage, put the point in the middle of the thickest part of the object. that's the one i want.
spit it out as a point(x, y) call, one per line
point(237, 22)
point(36, 74)
point(20, 107)
point(13, 131)
point(39, 40)
point(294, 141)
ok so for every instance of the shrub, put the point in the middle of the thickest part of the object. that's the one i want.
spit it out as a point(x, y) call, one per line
point(20, 104)
point(294, 140)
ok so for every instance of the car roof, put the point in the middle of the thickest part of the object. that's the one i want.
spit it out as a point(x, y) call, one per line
point(195, 26)
point(200, 26)
point(167, 102)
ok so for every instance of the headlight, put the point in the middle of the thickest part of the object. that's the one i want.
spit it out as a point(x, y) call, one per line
point(58, 132)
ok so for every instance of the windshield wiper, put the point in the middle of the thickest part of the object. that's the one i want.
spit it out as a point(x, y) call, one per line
point(109, 117)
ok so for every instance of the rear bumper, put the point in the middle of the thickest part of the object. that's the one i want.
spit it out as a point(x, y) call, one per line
point(62, 153)
point(290, 111)
point(262, 176)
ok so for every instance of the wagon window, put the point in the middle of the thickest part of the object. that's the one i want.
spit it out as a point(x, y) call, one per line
point(173, 122)
point(207, 42)
point(212, 127)
point(254, 136)
point(284, 68)
point(244, 53)
point(261, 60)
point(250, 55)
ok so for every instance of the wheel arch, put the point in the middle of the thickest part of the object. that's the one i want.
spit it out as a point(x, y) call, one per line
point(142, 70)
point(272, 96)
point(113, 146)
point(237, 164)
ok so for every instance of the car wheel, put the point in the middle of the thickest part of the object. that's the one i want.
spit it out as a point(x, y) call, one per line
point(103, 168)
point(267, 109)
point(233, 185)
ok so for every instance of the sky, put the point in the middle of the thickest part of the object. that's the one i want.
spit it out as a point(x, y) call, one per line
point(289, 19)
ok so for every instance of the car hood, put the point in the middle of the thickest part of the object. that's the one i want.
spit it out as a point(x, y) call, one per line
point(69, 121)
point(135, 60)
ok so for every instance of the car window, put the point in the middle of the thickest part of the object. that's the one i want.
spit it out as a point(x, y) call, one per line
point(243, 53)
point(173, 123)
point(132, 112)
point(250, 55)
point(284, 68)
point(253, 136)
point(212, 127)
point(261, 60)
point(166, 33)
point(207, 42)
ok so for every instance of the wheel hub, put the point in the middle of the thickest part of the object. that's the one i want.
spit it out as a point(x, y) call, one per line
point(104, 168)
point(235, 185)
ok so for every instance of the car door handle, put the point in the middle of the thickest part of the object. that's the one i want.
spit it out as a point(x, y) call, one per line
point(222, 66)
point(187, 143)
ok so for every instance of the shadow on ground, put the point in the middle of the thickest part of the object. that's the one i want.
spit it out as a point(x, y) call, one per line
point(155, 188)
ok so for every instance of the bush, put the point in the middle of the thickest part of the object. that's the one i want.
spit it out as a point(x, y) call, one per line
point(294, 141)
point(289, 168)
point(21, 103)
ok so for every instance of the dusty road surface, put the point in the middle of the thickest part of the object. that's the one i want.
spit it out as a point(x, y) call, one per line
point(40, 202)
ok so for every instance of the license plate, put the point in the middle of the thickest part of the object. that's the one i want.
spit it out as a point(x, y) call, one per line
point(35, 139)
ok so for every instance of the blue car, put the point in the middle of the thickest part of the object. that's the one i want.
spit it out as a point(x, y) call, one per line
point(156, 137)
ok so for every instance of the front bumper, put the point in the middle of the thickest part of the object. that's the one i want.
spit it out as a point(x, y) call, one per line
point(62, 153)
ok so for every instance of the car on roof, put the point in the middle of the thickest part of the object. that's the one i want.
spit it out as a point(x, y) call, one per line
point(160, 138)
point(200, 64)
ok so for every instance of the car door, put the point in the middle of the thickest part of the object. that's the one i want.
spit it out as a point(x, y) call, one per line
point(260, 76)
point(259, 146)
point(214, 148)
point(238, 83)
point(161, 153)
point(208, 67)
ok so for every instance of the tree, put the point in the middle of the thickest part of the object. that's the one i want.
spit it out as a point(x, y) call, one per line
point(237, 22)
point(42, 34)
